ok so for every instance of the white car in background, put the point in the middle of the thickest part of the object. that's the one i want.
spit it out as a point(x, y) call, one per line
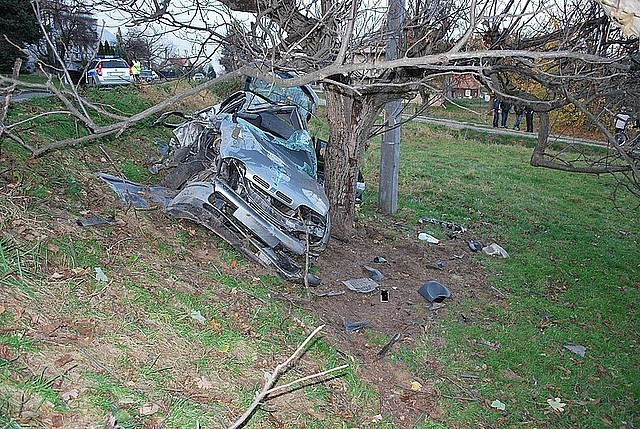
point(109, 71)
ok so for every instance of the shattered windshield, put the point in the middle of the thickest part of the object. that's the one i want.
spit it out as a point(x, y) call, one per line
point(296, 95)
point(298, 146)
point(279, 120)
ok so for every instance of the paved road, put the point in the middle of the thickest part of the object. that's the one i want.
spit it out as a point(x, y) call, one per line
point(20, 96)
point(459, 125)
point(505, 131)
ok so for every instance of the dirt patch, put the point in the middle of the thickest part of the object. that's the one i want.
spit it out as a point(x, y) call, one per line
point(407, 315)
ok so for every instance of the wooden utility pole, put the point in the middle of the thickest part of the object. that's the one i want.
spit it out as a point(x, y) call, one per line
point(390, 152)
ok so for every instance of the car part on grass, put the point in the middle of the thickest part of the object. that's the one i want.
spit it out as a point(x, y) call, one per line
point(363, 285)
point(429, 238)
point(475, 246)
point(434, 291)
point(373, 273)
point(444, 223)
point(247, 170)
point(495, 250)
point(354, 326)
point(576, 348)
point(95, 221)
point(493, 346)
point(100, 275)
point(439, 266)
point(383, 351)
point(139, 196)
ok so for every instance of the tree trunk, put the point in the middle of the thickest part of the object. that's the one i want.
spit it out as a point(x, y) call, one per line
point(537, 158)
point(350, 118)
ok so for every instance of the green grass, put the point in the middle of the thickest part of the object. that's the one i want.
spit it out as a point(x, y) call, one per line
point(571, 279)
point(573, 265)
point(150, 349)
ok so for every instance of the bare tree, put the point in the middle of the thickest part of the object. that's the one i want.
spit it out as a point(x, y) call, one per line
point(146, 45)
point(72, 28)
point(545, 54)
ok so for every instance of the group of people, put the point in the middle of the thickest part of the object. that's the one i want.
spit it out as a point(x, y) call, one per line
point(501, 109)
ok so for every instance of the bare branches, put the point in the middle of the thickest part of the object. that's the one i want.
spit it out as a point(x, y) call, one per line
point(472, 28)
point(542, 54)
point(5, 107)
point(272, 378)
point(119, 127)
point(429, 62)
point(347, 37)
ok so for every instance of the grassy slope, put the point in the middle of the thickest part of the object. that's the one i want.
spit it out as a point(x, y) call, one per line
point(74, 349)
point(572, 278)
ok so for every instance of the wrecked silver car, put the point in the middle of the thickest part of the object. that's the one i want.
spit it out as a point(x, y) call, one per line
point(247, 170)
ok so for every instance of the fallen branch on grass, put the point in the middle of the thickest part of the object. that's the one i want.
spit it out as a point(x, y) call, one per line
point(272, 378)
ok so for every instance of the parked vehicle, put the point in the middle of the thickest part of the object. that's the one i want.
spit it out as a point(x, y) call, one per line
point(109, 71)
point(199, 76)
point(148, 75)
point(247, 170)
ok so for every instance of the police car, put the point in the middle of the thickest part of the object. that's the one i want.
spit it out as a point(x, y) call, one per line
point(109, 70)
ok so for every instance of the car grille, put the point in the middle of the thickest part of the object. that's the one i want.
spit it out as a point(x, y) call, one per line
point(285, 198)
point(260, 181)
point(279, 194)
point(284, 216)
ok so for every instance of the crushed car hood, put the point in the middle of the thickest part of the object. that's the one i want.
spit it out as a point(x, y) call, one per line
point(283, 168)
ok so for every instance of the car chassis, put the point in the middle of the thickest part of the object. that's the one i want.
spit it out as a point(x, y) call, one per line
point(247, 170)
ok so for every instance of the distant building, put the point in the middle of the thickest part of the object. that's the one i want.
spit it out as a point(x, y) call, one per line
point(466, 86)
point(175, 67)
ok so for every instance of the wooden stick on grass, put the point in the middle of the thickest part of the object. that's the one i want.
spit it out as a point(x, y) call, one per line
point(272, 378)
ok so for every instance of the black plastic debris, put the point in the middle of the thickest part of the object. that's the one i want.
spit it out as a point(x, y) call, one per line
point(443, 223)
point(354, 326)
point(373, 273)
point(475, 246)
point(379, 260)
point(383, 351)
point(433, 291)
point(95, 220)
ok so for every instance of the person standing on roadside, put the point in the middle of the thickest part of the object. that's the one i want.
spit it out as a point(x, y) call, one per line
point(505, 107)
point(519, 111)
point(136, 68)
point(528, 115)
point(496, 112)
